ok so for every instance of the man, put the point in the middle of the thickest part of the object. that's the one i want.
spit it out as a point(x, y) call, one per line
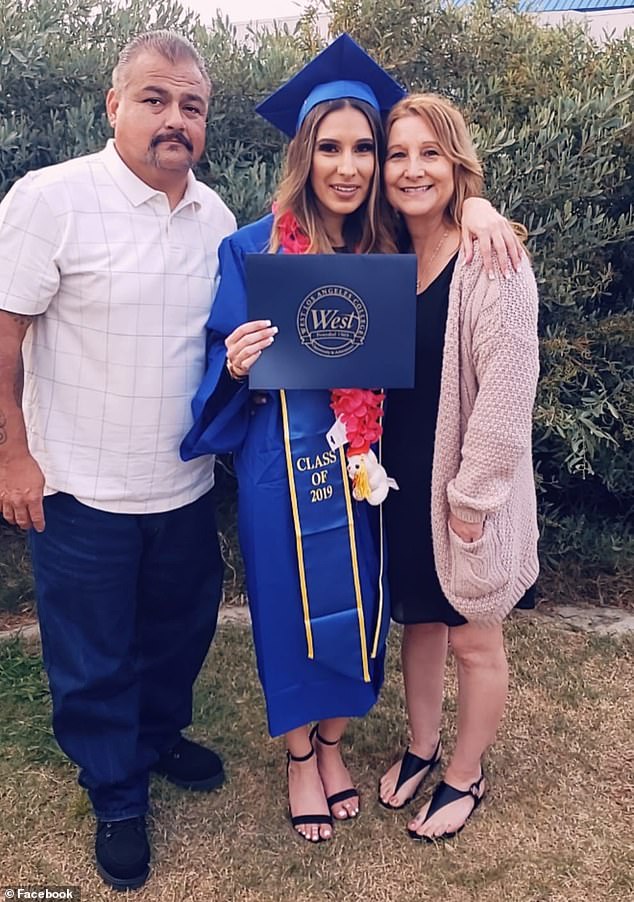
point(107, 265)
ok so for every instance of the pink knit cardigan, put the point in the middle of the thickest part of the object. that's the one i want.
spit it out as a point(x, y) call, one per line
point(482, 468)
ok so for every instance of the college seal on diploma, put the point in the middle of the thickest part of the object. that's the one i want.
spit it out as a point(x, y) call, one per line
point(332, 321)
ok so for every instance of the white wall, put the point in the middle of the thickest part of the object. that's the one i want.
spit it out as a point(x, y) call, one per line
point(289, 21)
point(599, 23)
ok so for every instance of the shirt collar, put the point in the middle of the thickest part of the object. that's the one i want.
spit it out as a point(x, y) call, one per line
point(135, 189)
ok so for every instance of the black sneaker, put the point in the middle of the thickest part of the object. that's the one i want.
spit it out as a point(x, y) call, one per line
point(191, 766)
point(123, 853)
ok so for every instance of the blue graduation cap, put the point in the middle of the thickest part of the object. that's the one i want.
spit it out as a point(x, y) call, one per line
point(343, 69)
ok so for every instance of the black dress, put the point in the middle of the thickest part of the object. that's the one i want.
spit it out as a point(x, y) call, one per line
point(408, 453)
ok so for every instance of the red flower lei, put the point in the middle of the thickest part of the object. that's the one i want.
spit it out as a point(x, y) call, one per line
point(360, 409)
point(292, 239)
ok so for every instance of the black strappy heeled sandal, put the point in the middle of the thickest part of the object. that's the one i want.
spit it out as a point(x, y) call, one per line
point(410, 766)
point(444, 795)
point(344, 794)
point(299, 819)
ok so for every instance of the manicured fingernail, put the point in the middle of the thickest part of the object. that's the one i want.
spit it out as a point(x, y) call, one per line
point(491, 277)
point(275, 330)
point(268, 322)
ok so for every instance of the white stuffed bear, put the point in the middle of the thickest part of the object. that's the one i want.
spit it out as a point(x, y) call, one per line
point(370, 482)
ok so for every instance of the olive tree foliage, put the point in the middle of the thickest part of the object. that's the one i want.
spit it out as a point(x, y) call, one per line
point(551, 113)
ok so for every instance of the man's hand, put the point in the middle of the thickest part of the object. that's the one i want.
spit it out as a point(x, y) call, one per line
point(21, 491)
point(21, 480)
point(468, 532)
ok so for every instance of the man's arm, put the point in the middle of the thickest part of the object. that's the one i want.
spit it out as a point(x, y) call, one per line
point(21, 480)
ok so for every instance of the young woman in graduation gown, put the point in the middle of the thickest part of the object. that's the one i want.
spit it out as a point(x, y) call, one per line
point(314, 579)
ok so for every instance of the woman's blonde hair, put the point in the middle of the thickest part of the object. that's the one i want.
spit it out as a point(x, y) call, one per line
point(452, 134)
point(367, 229)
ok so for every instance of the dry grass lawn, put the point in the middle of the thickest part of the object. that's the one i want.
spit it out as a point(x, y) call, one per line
point(554, 827)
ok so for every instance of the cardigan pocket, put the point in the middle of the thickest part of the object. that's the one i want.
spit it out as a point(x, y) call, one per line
point(476, 567)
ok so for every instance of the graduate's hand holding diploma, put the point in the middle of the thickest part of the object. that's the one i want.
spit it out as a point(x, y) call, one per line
point(245, 344)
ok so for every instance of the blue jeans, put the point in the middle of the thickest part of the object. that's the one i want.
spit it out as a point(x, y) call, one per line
point(128, 607)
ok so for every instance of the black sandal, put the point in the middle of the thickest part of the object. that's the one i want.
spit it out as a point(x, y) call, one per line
point(344, 794)
point(410, 766)
point(444, 795)
point(300, 819)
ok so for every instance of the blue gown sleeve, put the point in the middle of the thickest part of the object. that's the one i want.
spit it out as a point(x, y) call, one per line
point(220, 406)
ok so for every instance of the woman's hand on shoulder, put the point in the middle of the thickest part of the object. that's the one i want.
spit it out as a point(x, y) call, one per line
point(494, 233)
point(246, 343)
point(468, 532)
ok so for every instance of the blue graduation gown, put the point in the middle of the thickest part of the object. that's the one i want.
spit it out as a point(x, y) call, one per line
point(298, 689)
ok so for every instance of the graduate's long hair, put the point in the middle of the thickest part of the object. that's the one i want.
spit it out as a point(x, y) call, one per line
point(367, 230)
point(452, 134)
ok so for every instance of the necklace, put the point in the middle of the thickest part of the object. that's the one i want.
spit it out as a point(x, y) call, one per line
point(443, 237)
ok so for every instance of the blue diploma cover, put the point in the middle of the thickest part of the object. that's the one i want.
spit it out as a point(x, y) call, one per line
point(344, 320)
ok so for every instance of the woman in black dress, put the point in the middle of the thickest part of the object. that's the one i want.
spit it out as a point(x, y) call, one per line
point(436, 542)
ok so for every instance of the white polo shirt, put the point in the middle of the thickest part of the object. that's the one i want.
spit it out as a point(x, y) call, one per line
point(124, 287)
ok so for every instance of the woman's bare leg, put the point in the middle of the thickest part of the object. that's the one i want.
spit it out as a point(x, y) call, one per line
point(423, 656)
point(482, 692)
point(305, 790)
point(334, 773)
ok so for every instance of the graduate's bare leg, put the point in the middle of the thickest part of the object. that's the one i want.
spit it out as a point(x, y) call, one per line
point(482, 690)
point(306, 794)
point(334, 773)
point(423, 657)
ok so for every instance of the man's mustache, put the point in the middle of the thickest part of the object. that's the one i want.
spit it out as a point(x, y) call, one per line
point(171, 137)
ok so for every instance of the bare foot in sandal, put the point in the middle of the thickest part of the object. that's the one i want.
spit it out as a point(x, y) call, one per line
point(341, 796)
point(306, 798)
point(401, 783)
point(448, 810)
